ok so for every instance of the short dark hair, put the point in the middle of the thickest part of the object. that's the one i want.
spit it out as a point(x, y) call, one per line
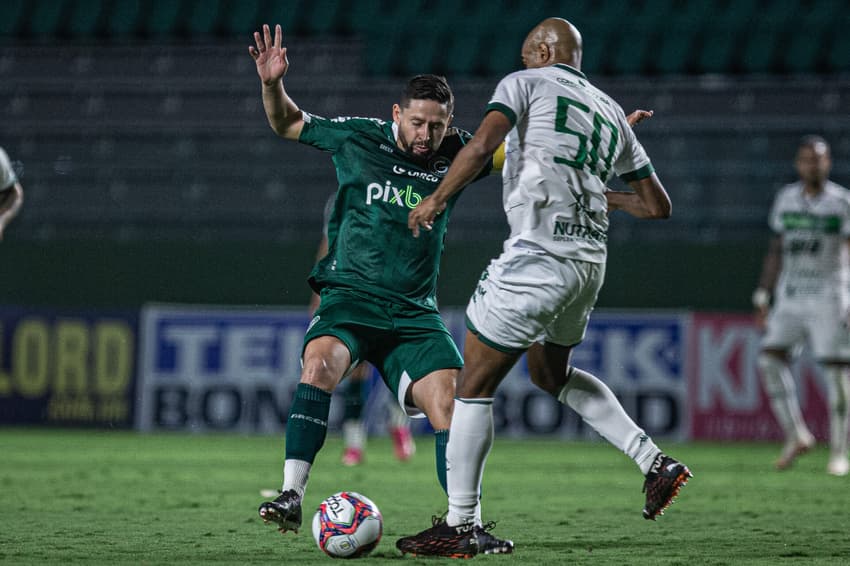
point(813, 141)
point(428, 87)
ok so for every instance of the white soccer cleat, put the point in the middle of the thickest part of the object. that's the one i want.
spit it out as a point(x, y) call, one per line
point(838, 466)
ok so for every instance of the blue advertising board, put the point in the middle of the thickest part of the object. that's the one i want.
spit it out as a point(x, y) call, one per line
point(211, 368)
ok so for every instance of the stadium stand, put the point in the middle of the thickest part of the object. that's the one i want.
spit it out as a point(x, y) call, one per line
point(129, 113)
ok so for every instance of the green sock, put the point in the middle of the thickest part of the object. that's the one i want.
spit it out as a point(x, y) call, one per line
point(307, 425)
point(441, 439)
point(353, 400)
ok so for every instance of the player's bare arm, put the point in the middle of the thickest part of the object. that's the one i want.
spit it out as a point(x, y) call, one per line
point(466, 166)
point(638, 116)
point(770, 269)
point(283, 114)
point(10, 203)
point(649, 199)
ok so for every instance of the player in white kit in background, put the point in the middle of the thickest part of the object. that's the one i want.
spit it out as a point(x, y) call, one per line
point(565, 139)
point(807, 274)
point(11, 192)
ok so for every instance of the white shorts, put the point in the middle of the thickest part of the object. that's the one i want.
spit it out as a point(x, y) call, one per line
point(822, 326)
point(526, 296)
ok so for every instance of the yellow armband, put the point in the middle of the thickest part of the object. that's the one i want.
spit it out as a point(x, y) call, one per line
point(499, 157)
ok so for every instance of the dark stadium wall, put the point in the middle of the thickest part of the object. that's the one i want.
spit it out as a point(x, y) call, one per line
point(108, 274)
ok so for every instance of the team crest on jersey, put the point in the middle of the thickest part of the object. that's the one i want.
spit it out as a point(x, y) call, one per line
point(439, 165)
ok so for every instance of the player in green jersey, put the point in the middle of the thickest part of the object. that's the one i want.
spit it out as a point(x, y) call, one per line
point(377, 284)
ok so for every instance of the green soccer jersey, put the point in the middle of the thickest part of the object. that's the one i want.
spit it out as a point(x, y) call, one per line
point(370, 248)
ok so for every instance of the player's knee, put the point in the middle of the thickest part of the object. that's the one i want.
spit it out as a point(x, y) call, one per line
point(771, 367)
point(318, 373)
point(549, 382)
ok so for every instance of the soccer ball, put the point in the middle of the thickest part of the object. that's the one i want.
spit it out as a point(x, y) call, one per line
point(347, 525)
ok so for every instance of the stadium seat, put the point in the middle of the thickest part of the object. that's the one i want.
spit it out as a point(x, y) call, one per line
point(673, 51)
point(760, 50)
point(461, 51)
point(287, 14)
point(381, 57)
point(162, 18)
point(46, 17)
point(203, 17)
point(124, 18)
point(839, 49)
point(85, 18)
point(241, 17)
point(630, 56)
point(12, 20)
point(802, 51)
point(324, 17)
point(390, 14)
point(421, 49)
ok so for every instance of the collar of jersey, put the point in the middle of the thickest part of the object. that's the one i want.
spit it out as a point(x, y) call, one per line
point(569, 69)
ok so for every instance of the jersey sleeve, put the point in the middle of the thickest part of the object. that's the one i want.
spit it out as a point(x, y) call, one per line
point(7, 174)
point(511, 97)
point(464, 137)
point(633, 163)
point(330, 134)
point(845, 220)
point(326, 215)
point(774, 218)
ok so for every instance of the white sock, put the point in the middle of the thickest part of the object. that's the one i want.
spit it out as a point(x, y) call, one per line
point(838, 395)
point(782, 392)
point(470, 440)
point(295, 476)
point(599, 407)
point(396, 418)
point(354, 434)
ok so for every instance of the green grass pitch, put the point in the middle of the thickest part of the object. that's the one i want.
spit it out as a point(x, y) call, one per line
point(87, 497)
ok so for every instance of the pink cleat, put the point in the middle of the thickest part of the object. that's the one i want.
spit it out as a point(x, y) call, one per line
point(792, 449)
point(352, 457)
point(403, 443)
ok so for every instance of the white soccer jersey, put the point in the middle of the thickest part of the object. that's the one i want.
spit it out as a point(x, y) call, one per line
point(814, 232)
point(568, 138)
point(7, 174)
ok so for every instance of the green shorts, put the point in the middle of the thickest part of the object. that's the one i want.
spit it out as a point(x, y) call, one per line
point(405, 344)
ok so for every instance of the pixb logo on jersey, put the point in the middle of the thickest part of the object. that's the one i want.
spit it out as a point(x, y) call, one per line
point(392, 195)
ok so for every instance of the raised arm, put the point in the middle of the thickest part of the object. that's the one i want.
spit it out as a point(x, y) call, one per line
point(10, 203)
point(466, 166)
point(283, 114)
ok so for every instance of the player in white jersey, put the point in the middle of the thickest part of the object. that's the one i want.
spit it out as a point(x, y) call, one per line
point(11, 192)
point(807, 270)
point(566, 138)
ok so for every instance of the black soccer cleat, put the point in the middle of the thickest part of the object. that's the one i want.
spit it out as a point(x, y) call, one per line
point(285, 511)
point(488, 544)
point(442, 540)
point(665, 478)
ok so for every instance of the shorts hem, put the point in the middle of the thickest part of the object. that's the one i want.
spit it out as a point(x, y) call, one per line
point(490, 343)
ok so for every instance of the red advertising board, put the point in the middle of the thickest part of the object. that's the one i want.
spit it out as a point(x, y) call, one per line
point(726, 395)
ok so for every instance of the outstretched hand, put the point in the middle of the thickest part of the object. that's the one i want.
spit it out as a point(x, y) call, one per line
point(423, 215)
point(638, 116)
point(269, 56)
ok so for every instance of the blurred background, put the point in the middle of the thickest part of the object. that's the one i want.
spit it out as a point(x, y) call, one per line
point(151, 174)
